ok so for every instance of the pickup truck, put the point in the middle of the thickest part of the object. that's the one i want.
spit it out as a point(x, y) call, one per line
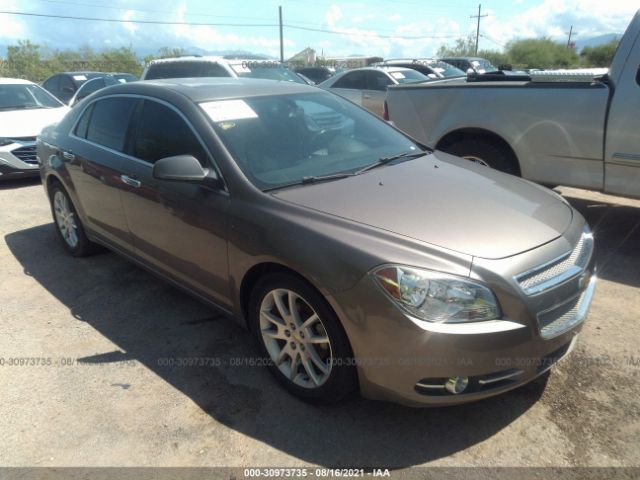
point(556, 129)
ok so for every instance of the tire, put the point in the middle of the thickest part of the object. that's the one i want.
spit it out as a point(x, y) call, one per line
point(485, 151)
point(279, 344)
point(68, 224)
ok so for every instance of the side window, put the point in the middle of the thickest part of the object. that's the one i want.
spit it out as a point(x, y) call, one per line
point(355, 80)
point(53, 84)
point(81, 128)
point(161, 133)
point(66, 84)
point(110, 120)
point(377, 81)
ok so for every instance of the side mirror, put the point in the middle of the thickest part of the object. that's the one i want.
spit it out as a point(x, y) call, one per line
point(185, 168)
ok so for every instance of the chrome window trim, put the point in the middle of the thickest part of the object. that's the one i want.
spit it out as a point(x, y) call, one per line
point(72, 134)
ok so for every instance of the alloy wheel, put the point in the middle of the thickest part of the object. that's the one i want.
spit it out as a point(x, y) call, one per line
point(65, 219)
point(295, 338)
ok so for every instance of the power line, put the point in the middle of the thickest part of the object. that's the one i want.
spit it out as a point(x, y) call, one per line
point(172, 12)
point(294, 27)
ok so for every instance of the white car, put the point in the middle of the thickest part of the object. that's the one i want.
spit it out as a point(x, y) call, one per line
point(212, 66)
point(25, 109)
point(367, 86)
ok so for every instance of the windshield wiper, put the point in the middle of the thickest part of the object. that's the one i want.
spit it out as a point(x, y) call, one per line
point(385, 160)
point(310, 180)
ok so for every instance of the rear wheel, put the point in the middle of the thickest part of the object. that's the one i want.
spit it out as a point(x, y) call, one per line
point(68, 224)
point(487, 152)
point(302, 339)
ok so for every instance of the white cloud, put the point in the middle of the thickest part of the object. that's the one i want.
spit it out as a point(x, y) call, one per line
point(208, 38)
point(128, 15)
point(395, 17)
point(10, 25)
point(553, 18)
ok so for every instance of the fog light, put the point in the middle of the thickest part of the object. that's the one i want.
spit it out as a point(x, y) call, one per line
point(456, 385)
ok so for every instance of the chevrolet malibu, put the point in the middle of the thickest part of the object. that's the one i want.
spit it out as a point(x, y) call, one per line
point(359, 258)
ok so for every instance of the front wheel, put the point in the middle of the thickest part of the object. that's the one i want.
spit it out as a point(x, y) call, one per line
point(302, 339)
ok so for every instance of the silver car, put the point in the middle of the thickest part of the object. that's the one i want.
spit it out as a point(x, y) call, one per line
point(359, 258)
point(367, 86)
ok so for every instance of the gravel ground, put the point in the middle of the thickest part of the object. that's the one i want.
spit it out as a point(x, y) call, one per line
point(101, 393)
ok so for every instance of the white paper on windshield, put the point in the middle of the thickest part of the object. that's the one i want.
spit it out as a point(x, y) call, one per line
point(122, 80)
point(224, 110)
point(397, 75)
point(79, 77)
point(241, 68)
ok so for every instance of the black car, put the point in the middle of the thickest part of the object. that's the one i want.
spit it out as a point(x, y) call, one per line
point(64, 85)
point(471, 64)
point(317, 74)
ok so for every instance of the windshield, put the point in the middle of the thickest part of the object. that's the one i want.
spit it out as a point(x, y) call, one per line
point(408, 76)
point(447, 70)
point(279, 140)
point(266, 70)
point(25, 96)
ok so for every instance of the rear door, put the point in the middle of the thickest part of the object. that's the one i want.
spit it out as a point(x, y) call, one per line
point(622, 147)
point(94, 162)
point(178, 228)
point(376, 91)
point(351, 85)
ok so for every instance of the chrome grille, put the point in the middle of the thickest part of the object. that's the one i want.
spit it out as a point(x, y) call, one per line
point(563, 317)
point(557, 271)
point(26, 154)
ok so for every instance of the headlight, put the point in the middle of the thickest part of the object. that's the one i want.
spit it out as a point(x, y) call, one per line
point(437, 297)
point(5, 141)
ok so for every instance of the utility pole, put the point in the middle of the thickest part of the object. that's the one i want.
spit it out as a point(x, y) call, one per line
point(479, 16)
point(570, 33)
point(281, 44)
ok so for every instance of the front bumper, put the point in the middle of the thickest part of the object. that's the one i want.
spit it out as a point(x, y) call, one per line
point(409, 361)
point(18, 160)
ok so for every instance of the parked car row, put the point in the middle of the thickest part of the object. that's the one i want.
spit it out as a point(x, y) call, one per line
point(66, 84)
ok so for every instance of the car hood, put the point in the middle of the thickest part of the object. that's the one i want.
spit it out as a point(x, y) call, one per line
point(28, 123)
point(445, 201)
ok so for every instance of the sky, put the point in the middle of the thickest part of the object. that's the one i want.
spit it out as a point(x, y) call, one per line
point(387, 28)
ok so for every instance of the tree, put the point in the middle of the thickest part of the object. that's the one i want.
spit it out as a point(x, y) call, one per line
point(464, 47)
point(600, 55)
point(540, 53)
point(24, 61)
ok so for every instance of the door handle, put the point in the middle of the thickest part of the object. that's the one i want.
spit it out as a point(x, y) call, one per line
point(68, 155)
point(132, 182)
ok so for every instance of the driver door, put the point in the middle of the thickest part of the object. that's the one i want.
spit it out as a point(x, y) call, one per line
point(178, 228)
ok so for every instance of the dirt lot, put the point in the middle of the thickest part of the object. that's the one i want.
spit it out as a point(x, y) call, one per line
point(101, 393)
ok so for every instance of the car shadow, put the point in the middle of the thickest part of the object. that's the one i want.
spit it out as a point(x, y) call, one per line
point(13, 183)
point(617, 232)
point(208, 358)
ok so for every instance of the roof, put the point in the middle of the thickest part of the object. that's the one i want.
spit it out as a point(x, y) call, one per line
point(212, 58)
point(14, 81)
point(214, 88)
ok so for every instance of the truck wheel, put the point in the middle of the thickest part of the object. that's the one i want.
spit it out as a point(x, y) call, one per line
point(485, 152)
